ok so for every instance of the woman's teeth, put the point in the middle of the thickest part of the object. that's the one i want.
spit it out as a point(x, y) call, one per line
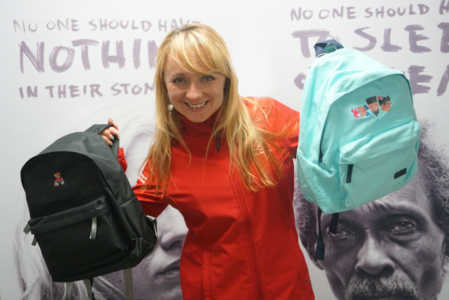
point(196, 106)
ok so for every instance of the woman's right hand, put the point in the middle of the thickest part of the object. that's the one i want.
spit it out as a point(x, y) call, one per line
point(108, 133)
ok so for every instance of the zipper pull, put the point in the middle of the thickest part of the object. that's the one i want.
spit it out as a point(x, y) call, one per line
point(217, 136)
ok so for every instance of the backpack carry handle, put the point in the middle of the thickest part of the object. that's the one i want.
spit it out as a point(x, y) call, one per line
point(98, 128)
point(325, 47)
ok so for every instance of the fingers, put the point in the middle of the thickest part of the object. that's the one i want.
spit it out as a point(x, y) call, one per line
point(109, 133)
point(113, 130)
point(107, 140)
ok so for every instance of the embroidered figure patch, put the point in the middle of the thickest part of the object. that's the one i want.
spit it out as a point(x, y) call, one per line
point(360, 112)
point(385, 103)
point(58, 179)
point(373, 106)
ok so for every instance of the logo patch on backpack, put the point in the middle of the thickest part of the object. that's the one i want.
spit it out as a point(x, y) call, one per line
point(58, 179)
point(373, 106)
point(360, 112)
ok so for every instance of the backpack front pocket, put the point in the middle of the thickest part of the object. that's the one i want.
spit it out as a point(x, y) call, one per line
point(76, 240)
point(375, 166)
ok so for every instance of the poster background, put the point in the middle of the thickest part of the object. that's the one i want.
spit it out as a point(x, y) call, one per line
point(266, 55)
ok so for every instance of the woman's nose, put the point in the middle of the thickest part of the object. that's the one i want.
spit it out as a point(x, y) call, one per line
point(194, 91)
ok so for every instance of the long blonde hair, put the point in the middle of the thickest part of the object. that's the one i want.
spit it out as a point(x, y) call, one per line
point(199, 49)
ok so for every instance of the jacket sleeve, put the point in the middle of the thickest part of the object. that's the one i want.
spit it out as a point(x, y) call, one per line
point(121, 159)
point(151, 204)
point(286, 120)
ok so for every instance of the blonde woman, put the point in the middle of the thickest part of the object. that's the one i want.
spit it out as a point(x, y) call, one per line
point(225, 162)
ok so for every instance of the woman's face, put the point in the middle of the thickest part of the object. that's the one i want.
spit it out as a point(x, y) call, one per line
point(195, 96)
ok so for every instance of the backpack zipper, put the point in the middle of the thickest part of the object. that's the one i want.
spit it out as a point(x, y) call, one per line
point(349, 175)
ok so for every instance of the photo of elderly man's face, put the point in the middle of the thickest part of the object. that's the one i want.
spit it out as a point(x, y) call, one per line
point(387, 248)
point(392, 248)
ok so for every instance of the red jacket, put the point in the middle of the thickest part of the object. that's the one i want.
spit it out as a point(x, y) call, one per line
point(240, 244)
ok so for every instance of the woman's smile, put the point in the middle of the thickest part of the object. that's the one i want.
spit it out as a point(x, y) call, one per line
point(195, 96)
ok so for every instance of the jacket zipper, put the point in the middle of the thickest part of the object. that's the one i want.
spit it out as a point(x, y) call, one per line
point(249, 233)
point(238, 191)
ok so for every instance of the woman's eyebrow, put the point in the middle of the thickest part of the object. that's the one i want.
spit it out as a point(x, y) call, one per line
point(179, 74)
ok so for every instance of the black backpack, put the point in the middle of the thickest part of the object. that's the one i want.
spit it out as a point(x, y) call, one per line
point(84, 215)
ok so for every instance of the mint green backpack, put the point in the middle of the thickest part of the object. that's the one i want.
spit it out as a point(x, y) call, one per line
point(358, 136)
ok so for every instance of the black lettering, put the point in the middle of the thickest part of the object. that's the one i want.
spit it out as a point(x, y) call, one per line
point(16, 24)
point(125, 87)
point(146, 25)
point(380, 12)
point(50, 90)
point(21, 92)
point(152, 53)
point(410, 11)
point(54, 59)
point(116, 91)
point(84, 50)
point(350, 12)
point(53, 25)
point(304, 35)
point(62, 25)
point(444, 46)
point(75, 25)
point(136, 90)
point(92, 23)
point(423, 9)
point(62, 91)
point(299, 81)
point(31, 29)
point(103, 24)
point(416, 78)
point(136, 53)
point(148, 87)
point(32, 92)
point(133, 27)
point(163, 25)
point(95, 89)
point(37, 61)
point(387, 45)
point(118, 59)
point(368, 12)
point(391, 12)
point(74, 91)
point(413, 38)
point(443, 82)
point(307, 14)
point(293, 14)
point(444, 8)
point(113, 24)
point(372, 40)
point(124, 26)
point(337, 13)
point(327, 12)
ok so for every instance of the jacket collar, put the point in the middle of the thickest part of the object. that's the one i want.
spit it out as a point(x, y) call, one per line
point(204, 128)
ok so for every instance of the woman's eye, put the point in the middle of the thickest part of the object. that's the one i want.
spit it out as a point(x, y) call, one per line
point(178, 80)
point(208, 78)
point(403, 227)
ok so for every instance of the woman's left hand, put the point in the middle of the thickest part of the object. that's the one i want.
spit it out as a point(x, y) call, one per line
point(108, 133)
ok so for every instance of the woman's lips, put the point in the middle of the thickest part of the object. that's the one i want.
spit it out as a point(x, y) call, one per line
point(196, 106)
